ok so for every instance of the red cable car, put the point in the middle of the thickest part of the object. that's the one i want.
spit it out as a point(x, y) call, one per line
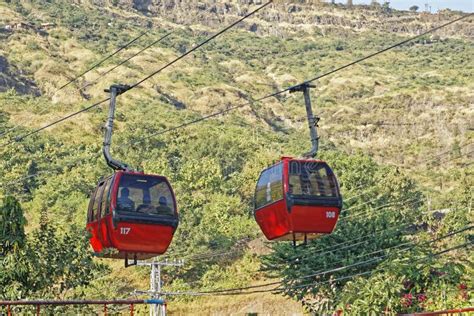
point(297, 199)
point(131, 214)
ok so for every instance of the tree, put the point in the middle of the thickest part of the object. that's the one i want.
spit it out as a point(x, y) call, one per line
point(12, 222)
point(60, 262)
point(14, 271)
point(414, 8)
point(47, 264)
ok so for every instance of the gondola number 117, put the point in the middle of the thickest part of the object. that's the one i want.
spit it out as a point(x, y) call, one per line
point(124, 230)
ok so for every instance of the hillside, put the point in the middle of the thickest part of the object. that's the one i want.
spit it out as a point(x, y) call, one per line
point(400, 124)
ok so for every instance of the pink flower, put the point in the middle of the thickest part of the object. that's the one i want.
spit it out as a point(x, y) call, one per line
point(407, 300)
point(421, 297)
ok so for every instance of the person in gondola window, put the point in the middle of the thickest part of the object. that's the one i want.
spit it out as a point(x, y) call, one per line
point(164, 209)
point(124, 203)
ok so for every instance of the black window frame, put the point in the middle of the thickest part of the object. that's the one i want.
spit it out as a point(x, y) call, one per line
point(162, 181)
point(314, 200)
point(281, 197)
point(105, 203)
point(90, 209)
point(96, 208)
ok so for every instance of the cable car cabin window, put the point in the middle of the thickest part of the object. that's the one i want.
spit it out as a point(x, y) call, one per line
point(270, 186)
point(105, 202)
point(144, 194)
point(97, 197)
point(311, 178)
point(90, 211)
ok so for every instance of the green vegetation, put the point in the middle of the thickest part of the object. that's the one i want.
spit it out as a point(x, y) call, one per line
point(396, 129)
point(46, 264)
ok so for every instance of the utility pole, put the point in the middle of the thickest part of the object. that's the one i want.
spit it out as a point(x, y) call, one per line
point(155, 291)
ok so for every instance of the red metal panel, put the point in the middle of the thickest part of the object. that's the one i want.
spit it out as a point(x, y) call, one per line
point(137, 237)
point(313, 219)
point(273, 220)
point(94, 239)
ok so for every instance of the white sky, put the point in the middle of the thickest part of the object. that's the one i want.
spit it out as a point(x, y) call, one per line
point(462, 5)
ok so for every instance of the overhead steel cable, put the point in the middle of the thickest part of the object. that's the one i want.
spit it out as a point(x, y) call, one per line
point(241, 290)
point(274, 94)
point(334, 246)
point(208, 255)
point(102, 61)
point(101, 75)
point(20, 138)
point(200, 45)
point(337, 269)
point(126, 60)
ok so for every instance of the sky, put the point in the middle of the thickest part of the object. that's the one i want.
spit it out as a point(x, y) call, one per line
point(462, 5)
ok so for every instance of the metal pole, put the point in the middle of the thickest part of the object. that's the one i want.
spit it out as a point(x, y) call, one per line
point(114, 90)
point(152, 288)
point(312, 120)
point(161, 311)
point(155, 285)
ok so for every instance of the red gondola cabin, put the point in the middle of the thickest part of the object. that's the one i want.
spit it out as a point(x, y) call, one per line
point(132, 215)
point(297, 199)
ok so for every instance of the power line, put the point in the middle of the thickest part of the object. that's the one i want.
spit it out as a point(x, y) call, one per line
point(388, 124)
point(20, 138)
point(72, 164)
point(403, 203)
point(205, 255)
point(431, 159)
point(102, 61)
point(210, 255)
point(240, 289)
point(126, 60)
point(319, 253)
point(102, 75)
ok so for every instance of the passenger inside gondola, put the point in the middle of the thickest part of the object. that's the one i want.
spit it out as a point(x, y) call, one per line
point(311, 180)
point(145, 195)
point(164, 209)
point(124, 203)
